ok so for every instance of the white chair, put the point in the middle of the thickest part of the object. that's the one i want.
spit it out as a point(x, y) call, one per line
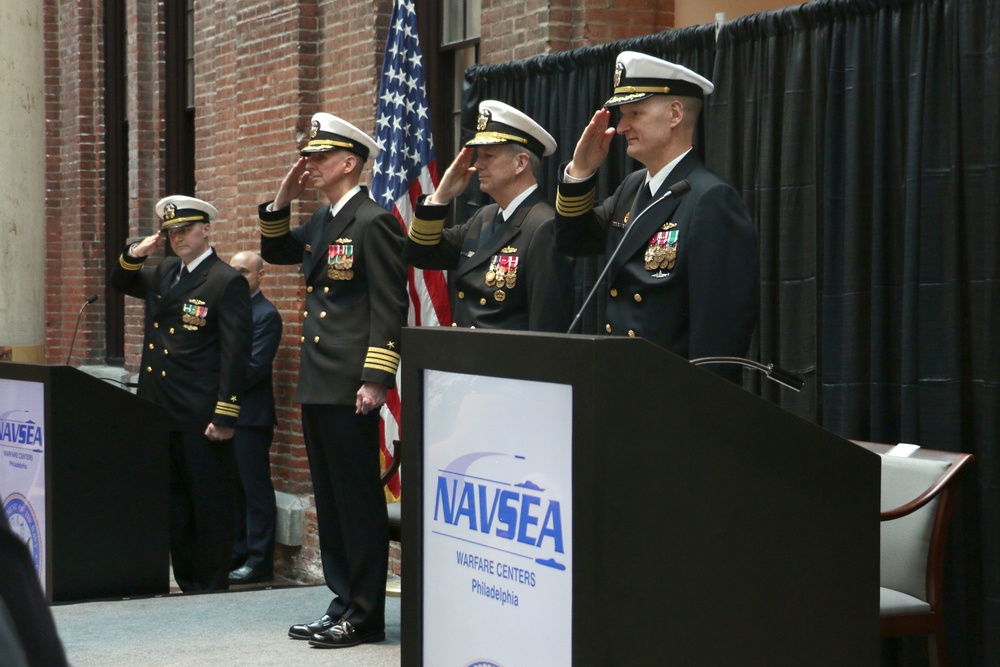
point(918, 497)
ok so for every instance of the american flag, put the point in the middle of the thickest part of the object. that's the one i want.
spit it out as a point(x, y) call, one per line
point(404, 170)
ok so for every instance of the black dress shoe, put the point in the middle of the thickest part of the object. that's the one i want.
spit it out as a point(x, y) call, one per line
point(248, 575)
point(307, 630)
point(343, 634)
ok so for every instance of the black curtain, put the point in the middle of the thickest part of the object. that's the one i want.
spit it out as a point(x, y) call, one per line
point(863, 135)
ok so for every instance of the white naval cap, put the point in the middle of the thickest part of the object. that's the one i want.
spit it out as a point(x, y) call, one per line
point(501, 123)
point(178, 211)
point(638, 76)
point(329, 133)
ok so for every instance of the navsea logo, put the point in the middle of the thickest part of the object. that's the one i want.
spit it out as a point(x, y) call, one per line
point(483, 663)
point(516, 516)
point(15, 432)
point(23, 524)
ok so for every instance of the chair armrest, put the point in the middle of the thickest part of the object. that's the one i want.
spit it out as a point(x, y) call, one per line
point(931, 493)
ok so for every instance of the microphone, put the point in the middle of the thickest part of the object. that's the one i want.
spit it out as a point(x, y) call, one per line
point(678, 189)
point(770, 371)
point(90, 299)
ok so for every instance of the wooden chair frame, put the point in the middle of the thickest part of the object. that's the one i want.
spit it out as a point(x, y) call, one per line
point(945, 488)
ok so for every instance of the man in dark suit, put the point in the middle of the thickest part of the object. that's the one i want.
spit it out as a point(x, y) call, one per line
point(194, 358)
point(686, 276)
point(256, 510)
point(356, 305)
point(505, 270)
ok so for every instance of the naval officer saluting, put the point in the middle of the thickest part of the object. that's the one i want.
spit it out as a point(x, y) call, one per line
point(686, 277)
point(506, 271)
point(194, 357)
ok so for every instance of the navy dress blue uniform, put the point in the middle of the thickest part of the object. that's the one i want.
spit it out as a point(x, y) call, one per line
point(540, 295)
point(686, 275)
point(505, 271)
point(699, 297)
point(355, 307)
point(256, 510)
point(194, 359)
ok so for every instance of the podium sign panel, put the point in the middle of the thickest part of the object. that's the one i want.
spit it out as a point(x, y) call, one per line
point(22, 475)
point(85, 482)
point(498, 549)
point(700, 524)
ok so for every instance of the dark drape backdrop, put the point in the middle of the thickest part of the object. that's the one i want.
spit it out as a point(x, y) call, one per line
point(863, 135)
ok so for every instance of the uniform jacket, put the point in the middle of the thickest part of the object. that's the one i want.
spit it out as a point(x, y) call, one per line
point(541, 296)
point(258, 399)
point(197, 338)
point(354, 314)
point(701, 296)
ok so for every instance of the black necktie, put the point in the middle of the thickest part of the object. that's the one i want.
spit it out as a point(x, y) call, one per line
point(642, 199)
point(180, 275)
point(491, 231)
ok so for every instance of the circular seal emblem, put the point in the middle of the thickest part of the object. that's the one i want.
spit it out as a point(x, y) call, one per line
point(315, 129)
point(485, 116)
point(22, 522)
point(483, 663)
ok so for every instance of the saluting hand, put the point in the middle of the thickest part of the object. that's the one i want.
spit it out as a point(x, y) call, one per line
point(147, 246)
point(293, 185)
point(371, 396)
point(456, 178)
point(593, 146)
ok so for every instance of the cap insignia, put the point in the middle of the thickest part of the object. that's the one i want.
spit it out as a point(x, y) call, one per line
point(619, 74)
point(315, 129)
point(170, 211)
point(484, 118)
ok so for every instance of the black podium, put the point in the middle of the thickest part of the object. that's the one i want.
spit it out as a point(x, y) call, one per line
point(106, 485)
point(709, 527)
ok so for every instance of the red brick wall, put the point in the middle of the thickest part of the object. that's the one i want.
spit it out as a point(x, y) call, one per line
point(519, 30)
point(74, 264)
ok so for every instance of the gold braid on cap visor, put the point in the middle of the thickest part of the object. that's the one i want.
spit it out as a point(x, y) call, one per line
point(498, 137)
point(190, 218)
point(627, 90)
point(328, 143)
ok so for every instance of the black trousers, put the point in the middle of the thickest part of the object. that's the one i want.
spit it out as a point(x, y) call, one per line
point(343, 450)
point(256, 511)
point(202, 477)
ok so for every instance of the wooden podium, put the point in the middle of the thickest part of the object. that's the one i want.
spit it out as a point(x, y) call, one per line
point(105, 484)
point(708, 526)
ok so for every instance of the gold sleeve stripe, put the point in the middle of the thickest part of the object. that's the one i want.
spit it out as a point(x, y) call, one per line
point(572, 207)
point(383, 360)
point(273, 228)
point(127, 265)
point(388, 368)
point(227, 409)
point(426, 232)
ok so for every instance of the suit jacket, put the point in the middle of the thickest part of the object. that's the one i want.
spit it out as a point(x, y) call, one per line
point(197, 338)
point(701, 297)
point(541, 296)
point(258, 399)
point(354, 314)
